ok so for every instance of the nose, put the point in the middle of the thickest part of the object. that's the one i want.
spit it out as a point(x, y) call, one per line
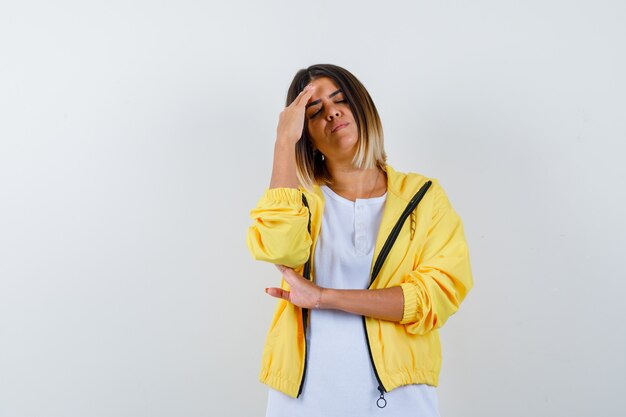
point(332, 113)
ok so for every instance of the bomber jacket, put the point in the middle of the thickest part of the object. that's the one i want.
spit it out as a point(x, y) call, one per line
point(429, 261)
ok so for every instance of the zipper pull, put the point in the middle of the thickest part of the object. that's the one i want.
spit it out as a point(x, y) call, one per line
point(381, 402)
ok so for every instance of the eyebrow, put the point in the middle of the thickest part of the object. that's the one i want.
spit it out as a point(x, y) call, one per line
point(318, 101)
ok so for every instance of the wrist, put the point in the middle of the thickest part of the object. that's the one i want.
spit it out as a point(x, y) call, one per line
point(325, 299)
point(318, 304)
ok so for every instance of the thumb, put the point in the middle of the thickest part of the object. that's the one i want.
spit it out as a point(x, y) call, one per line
point(277, 293)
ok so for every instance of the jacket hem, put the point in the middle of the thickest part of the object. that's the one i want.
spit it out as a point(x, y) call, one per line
point(415, 376)
point(391, 381)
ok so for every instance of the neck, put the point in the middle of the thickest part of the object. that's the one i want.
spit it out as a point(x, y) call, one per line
point(355, 182)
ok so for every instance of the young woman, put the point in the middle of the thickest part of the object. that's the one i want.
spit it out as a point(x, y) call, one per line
point(373, 261)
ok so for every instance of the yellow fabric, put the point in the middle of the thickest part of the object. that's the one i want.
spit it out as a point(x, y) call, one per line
point(431, 266)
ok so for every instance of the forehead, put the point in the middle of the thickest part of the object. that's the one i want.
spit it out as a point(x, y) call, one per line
point(323, 82)
point(324, 87)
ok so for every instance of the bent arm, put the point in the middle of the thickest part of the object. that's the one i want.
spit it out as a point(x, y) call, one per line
point(279, 232)
point(431, 293)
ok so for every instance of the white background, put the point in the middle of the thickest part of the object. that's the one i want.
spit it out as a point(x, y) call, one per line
point(136, 136)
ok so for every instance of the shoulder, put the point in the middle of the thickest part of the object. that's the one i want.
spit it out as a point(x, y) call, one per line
point(406, 184)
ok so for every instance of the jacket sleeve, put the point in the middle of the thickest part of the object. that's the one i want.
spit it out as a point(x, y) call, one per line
point(279, 231)
point(443, 277)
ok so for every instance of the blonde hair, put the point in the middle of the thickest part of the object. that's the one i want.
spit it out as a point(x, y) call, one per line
point(370, 153)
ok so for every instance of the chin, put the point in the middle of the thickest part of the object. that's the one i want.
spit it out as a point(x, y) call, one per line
point(347, 144)
point(347, 136)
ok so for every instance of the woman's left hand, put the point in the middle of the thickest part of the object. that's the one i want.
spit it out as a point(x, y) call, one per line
point(302, 292)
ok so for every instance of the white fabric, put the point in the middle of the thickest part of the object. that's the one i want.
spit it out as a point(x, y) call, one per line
point(340, 380)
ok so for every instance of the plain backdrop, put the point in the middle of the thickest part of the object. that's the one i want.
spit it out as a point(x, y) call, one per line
point(135, 137)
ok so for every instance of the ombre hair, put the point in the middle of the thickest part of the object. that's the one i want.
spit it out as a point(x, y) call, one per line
point(310, 166)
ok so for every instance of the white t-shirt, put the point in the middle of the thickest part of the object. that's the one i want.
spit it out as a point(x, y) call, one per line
point(340, 380)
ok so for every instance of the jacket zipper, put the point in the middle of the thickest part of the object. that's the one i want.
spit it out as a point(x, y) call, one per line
point(305, 311)
point(380, 260)
point(381, 402)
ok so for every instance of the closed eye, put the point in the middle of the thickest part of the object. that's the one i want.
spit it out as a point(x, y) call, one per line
point(320, 110)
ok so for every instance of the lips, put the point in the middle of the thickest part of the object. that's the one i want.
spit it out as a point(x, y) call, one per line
point(339, 126)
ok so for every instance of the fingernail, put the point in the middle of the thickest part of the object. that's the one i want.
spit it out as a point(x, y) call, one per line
point(266, 290)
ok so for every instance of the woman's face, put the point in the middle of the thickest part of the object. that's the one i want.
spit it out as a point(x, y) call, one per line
point(329, 121)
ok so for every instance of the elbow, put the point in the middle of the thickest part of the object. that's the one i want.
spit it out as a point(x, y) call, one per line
point(426, 320)
point(279, 252)
point(291, 260)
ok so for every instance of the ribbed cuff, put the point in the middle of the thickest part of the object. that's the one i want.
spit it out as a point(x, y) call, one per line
point(410, 302)
point(282, 194)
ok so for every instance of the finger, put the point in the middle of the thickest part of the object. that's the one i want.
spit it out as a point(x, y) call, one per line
point(278, 293)
point(281, 268)
point(300, 94)
point(304, 95)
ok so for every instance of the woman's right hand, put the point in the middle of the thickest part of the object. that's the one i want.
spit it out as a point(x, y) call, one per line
point(291, 119)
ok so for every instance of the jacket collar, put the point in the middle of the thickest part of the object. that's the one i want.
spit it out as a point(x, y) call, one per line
point(399, 193)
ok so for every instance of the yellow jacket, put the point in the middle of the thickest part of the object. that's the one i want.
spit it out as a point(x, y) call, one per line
point(429, 261)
